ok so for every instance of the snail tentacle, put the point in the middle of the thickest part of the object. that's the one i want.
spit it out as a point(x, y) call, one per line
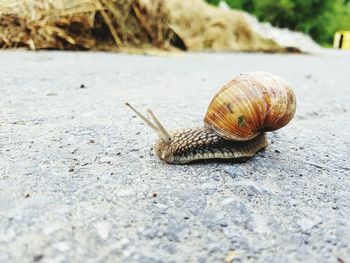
point(157, 127)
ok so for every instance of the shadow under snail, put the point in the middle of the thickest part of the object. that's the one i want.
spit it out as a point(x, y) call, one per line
point(235, 123)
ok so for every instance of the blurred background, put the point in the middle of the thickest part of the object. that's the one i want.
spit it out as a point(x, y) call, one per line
point(194, 25)
point(317, 18)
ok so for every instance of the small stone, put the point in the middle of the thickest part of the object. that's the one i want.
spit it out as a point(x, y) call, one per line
point(106, 159)
point(208, 186)
point(170, 247)
point(161, 206)
point(227, 201)
point(154, 194)
point(19, 123)
point(62, 246)
point(230, 256)
point(252, 190)
point(103, 229)
point(27, 195)
point(38, 257)
point(172, 236)
point(124, 241)
point(150, 233)
point(128, 251)
point(308, 223)
point(82, 86)
point(124, 192)
point(51, 94)
point(234, 171)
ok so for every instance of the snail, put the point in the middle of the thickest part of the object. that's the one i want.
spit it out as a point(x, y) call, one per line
point(235, 123)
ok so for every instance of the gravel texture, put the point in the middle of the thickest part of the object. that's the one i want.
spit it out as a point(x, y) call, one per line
point(79, 181)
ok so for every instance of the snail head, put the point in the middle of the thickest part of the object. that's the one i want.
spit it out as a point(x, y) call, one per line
point(162, 146)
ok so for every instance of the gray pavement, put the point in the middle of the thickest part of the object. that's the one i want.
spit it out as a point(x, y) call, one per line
point(80, 183)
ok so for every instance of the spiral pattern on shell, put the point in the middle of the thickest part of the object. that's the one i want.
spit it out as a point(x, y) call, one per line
point(249, 104)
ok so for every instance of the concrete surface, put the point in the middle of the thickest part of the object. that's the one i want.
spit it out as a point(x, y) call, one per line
point(80, 183)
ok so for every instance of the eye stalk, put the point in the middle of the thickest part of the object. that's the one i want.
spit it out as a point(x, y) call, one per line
point(157, 127)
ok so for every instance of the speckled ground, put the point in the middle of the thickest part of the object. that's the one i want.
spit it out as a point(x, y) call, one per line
point(80, 183)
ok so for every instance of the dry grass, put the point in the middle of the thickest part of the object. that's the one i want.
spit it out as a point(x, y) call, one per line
point(119, 24)
point(82, 24)
point(205, 27)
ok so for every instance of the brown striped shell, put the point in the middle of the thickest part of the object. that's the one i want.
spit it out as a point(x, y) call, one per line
point(249, 104)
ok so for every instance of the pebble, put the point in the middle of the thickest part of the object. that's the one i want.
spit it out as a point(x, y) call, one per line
point(103, 229)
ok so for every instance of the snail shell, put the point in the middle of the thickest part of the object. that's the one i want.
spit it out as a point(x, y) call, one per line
point(250, 104)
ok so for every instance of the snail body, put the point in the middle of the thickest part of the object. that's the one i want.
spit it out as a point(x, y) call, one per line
point(235, 123)
point(203, 143)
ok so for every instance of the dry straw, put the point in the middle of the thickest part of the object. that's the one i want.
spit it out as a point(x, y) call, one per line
point(205, 27)
point(119, 24)
point(81, 24)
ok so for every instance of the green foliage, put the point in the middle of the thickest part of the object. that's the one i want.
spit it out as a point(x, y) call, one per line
point(213, 2)
point(318, 18)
